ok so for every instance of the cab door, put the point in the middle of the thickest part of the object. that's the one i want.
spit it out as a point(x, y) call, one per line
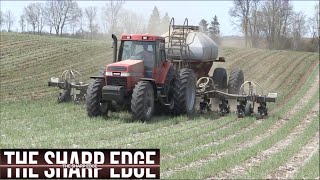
point(161, 65)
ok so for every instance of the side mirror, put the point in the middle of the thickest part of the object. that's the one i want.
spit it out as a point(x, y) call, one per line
point(162, 47)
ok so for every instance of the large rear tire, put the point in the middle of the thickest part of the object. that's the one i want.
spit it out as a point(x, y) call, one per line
point(93, 98)
point(220, 78)
point(142, 102)
point(236, 79)
point(185, 94)
point(169, 89)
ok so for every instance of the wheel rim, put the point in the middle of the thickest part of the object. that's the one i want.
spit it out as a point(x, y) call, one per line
point(148, 103)
point(190, 95)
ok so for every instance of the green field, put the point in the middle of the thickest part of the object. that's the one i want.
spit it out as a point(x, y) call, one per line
point(285, 145)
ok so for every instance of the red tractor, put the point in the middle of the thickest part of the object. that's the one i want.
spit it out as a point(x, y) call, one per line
point(165, 73)
point(142, 79)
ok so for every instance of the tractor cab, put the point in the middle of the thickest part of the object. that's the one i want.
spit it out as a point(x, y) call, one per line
point(145, 47)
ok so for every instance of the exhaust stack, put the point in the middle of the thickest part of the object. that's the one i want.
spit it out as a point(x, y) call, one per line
point(115, 47)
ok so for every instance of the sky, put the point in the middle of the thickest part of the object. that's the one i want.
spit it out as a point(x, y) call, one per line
point(193, 10)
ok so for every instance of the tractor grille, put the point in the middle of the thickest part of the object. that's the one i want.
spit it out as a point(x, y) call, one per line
point(117, 68)
point(117, 81)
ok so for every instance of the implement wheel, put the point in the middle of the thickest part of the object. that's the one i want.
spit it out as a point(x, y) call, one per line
point(65, 96)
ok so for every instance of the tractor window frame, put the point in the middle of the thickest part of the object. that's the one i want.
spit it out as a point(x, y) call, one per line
point(150, 43)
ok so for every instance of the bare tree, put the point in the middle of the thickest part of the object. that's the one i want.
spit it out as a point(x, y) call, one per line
point(111, 14)
point(298, 28)
point(253, 21)
point(75, 19)
point(274, 22)
point(81, 21)
point(90, 14)
point(1, 19)
point(22, 22)
point(59, 13)
point(9, 19)
point(39, 8)
point(131, 22)
point(315, 28)
point(31, 16)
point(241, 11)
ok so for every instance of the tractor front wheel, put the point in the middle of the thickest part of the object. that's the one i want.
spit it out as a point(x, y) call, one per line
point(185, 94)
point(142, 101)
point(93, 99)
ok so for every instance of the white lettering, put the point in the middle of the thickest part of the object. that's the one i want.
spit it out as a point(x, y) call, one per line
point(31, 155)
point(125, 154)
point(124, 173)
point(62, 158)
point(50, 174)
point(137, 174)
point(9, 171)
point(9, 155)
point(112, 159)
point(148, 174)
point(74, 158)
point(148, 154)
point(31, 174)
point(46, 157)
point(136, 157)
point(74, 171)
point(23, 159)
point(84, 159)
point(98, 155)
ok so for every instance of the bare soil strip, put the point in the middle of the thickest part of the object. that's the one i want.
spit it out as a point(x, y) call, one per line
point(253, 161)
point(299, 160)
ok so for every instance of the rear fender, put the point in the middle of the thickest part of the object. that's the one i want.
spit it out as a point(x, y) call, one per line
point(153, 83)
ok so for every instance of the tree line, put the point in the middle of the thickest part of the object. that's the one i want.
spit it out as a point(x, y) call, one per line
point(269, 24)
point(275, 24)
point(66, 18)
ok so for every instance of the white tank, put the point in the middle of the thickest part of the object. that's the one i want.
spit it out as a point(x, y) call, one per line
point(201, 47)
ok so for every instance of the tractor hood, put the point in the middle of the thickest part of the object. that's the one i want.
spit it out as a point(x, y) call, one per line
point(125, 68)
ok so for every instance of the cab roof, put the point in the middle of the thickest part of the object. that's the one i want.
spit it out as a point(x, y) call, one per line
point(141, 37)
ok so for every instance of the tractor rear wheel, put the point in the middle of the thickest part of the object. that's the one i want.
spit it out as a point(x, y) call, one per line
point(185, 95)
point(142, 101)
point(236, 79)
point(93, 99)
point(169, 90)
point(220, 77)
